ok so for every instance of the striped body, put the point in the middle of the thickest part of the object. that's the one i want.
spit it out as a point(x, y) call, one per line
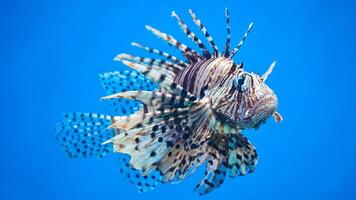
point(207, 73)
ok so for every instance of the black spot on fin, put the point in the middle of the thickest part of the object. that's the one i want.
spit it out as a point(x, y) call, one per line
point(162, 144)
point(82, 134)
point(121, 81)
point(242, 155)
point(216, 165)
point(142, 182)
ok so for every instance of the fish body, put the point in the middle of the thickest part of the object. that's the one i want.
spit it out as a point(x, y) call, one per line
point(190, 112)
point(238, 97)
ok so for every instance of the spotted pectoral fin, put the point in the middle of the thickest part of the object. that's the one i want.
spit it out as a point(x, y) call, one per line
point(121, 81)
point(142, 182)
point(242, 155)
point(82, 134)
point(188, 153)
point(164, 82)
point(155, 105)
point(165, 67)
point(154, 100)
point(216, 166)
point(152, 138)
point(167, 140)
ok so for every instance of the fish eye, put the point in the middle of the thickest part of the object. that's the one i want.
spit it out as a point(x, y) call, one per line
point(239, 81)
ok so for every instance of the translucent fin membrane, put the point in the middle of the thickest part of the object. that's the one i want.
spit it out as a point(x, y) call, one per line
point(82, 134)
point(216, 166)
point(242, 156)
point(142, 182)
point(164, 82)
point(128, 80)
point(165, 67)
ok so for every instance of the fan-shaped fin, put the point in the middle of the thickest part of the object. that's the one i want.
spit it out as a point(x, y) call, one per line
point(242, 156)
point(82, 134)
point(127, 80)
point(173, 130)
point(154, 98)
point(162, 80)
point(165, 67)
point(216, 165)
point(142, 182)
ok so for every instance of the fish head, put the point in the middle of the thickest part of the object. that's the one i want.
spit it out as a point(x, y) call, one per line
point(247, 101)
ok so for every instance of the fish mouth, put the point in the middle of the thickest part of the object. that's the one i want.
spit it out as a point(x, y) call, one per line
point(256, 116)
point(263, 109)
point(268, 101)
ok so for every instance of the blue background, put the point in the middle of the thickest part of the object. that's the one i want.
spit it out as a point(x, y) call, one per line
point(52, 51)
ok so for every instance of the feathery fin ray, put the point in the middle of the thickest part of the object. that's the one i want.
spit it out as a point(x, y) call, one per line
point(228, 36)
point(234, 51)
point(191, 35)
point(161, 53)
point(205, 32)
point(186, 51)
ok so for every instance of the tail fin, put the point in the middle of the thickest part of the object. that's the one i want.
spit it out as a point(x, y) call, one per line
point(82, 134)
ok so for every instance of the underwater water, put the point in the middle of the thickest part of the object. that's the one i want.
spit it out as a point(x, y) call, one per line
point(51, 53)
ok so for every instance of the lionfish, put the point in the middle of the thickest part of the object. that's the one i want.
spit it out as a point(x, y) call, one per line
point(177, 114)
